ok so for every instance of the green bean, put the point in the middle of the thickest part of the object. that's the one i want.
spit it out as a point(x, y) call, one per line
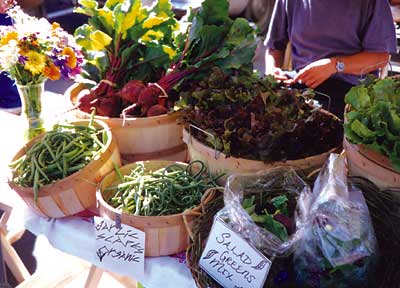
point(169, 190)
point(61, 152)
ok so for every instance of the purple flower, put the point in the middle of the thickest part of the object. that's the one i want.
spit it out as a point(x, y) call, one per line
point(22, 59)
point(65, 72)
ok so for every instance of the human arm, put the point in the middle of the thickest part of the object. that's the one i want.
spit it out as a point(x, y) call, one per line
point(357, 64)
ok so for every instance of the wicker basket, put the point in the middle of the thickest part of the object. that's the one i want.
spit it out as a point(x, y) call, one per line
point(165, 235)
point(139, 139)
point(384, 210)
point(76, 192)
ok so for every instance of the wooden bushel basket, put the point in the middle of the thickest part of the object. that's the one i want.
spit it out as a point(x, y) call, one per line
point(165, 235)
point(76, 192)
point(218, 163)
point(158, 137)
point(371, 165)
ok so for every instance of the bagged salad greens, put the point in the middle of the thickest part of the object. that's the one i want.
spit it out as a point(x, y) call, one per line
point(261, 208)
point(338, 247)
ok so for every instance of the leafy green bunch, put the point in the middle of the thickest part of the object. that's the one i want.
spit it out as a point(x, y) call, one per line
point(374, 117)
point(124, 40)
point(214, 39)
point(276, 221)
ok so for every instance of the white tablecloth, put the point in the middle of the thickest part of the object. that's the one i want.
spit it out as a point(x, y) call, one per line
point(73, 235)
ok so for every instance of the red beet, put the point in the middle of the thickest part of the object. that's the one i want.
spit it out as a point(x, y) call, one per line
point(156, 110)
point(108, 106)
point(131, 90)
point(84, 100)
point(149, 97)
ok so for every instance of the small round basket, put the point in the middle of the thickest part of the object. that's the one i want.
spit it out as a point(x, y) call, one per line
point(384, 210)
point(76, 192)
point(165, 235)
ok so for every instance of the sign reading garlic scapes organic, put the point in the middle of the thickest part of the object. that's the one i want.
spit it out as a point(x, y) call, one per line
point(119, 247)
point(231, 261)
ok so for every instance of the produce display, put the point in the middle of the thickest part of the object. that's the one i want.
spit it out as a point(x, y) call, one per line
point(59, 153)
point(257, 118)
point(166, 191)
point(373, 118)
point(148, 57)
point(140, 61)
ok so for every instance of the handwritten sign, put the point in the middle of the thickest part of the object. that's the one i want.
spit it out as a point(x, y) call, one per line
point(231, 261)
point(119, 248)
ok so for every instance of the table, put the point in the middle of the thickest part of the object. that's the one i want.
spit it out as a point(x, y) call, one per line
point(73, 235)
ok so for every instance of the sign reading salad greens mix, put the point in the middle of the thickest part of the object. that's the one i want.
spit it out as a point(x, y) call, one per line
point(231, 261)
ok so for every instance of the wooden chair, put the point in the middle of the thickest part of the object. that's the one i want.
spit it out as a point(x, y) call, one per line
point(9, 255)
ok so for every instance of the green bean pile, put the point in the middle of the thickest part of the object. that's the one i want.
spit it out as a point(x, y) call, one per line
point(167, 191)
point(61, 152)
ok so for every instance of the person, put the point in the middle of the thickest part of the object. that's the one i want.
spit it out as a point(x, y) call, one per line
point(9, 97)
point(333, 44)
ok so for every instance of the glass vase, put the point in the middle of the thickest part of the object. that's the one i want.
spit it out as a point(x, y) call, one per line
point(31, 100)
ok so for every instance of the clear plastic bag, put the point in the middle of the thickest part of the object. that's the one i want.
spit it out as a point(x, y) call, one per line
point(267, 190)
point(338, 247)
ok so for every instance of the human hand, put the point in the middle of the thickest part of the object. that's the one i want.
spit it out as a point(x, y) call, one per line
point(316, 72)
point(279, 74)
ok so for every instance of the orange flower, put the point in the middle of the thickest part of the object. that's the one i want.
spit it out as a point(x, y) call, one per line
point(52, 72)
point(70, 56)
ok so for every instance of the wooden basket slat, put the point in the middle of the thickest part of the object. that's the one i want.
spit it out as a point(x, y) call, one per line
point(381, 173)
point(48, 207)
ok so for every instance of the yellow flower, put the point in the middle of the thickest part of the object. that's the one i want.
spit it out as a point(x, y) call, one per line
point(91, 4)
point(107, 15)
point(52, 72)
point(55, 25)
point(71, 57)
point(35, 62)
point(111, 3)
point(131, 17)
point(12, 35)
point(168, 50)
point(162, 14)
point(164, 5)
point(153, 21)
point(152, 35)
point(100, 40)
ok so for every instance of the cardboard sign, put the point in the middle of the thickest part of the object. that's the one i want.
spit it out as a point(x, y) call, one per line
point(231, 260)
point(119, 248)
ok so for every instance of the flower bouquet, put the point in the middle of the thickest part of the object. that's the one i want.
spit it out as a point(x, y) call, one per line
point(31, 51)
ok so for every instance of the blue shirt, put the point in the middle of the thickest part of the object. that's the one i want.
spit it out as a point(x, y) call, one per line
point(325, 28)
point(9, 97)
